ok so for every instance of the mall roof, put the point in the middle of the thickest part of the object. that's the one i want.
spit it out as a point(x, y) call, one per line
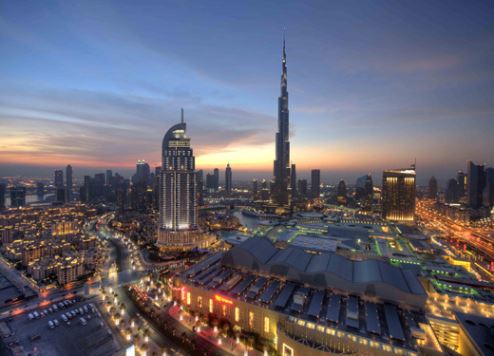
point(328, 270)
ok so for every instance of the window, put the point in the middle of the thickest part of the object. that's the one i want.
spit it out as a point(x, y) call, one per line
point(223, 310)
point(199, 302)
point(287, 350)
point(266, 324)
point(210, 305)
point(188, 298)
point(251, 320)
point(237, 314)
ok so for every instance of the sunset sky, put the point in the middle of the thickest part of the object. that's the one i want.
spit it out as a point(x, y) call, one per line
point(372, 84)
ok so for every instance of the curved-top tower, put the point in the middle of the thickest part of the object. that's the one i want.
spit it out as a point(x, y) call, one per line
point(178, 206)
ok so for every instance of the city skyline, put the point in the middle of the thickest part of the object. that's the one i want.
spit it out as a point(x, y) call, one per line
point(344, 121)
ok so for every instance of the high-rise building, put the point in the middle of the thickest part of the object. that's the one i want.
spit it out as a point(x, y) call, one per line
point(108, 177)
point(475, 185)
point(302, 189)
point(364, 188)
point(58, 182)
point(432, 192)
point(293, 181)
point(488, 193)
point(461, 179)
point(216, 179)
point(98, 188)
point(452, 191)
point(398, 195)
point(86, 190)
point(265, 190)
point(17, 197)
point(3, 189)
point(255, 189)
point(59, 186)
point(68, 183)
point(281, 167)
point(228, 179)
point(142, 172)
point(178, 208)
point(315, 183)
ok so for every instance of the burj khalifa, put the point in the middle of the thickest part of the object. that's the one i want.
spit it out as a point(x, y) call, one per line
point(281, 188)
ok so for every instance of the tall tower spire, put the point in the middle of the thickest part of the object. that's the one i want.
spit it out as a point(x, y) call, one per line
point(182, 115)
point(281, 191)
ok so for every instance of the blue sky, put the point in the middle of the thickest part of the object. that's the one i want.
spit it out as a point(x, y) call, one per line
point(372, 84)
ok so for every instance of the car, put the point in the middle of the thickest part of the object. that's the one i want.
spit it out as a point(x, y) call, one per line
point(81, 310)
point(74, 313)
point(66, 302)
point(50, 310)
point(86, 309)
point(64, 318)
point(88, 316)
point(61, 305)
point(83, 321)
point(55, 308)
point(51, 325)
point(36, 315)
point(30, 316)
point(55, 321)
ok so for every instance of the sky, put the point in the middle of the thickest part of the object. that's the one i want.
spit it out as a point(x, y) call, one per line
point(372, 84)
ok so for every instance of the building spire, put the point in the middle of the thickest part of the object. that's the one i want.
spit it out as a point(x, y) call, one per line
point(182, 115)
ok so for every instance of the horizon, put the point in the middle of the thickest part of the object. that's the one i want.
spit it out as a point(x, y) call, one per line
point(96, 86)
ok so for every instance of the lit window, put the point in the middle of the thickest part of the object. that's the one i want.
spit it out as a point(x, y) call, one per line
point(251, 320)
point(188, 298)
point(199, 302)
point(223, 310)
point(237, 314)
point(266, 324)
point(210, 305)
point(287, 350)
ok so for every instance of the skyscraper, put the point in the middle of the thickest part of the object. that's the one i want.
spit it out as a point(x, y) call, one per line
point(3, 188)
point(68, 183)
point(315, 183)
point(432, 192)
point(108, 177)
point(228, 179)
point(255, 189)
point(475, 185)
point(364, 188)
point(17, 197)
point(488, 193)
point(398, 195)
point(40, 190)
point(302, 188)
point(341, 191)
point(281, 169)
point(58, 180)
point(293, 181)
point(452, 191)
point(142, 172)
point(178, 207)
point(461, 179)
point(216, 181)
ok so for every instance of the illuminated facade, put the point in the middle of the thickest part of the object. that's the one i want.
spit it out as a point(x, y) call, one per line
point(281, 187)
point(398, 195)
point(178, 200)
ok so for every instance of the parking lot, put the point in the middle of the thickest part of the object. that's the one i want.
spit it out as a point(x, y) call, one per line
point(86, 333)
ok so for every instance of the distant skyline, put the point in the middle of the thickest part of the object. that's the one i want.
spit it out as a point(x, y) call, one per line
point(373, 85)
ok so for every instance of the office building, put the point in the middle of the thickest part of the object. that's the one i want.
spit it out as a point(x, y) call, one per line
point(452, 193)
point(302, 188)
point(178, 207)
point(68, 184)
point(228, 180)
point(281, 169)
point(341, 190)
point(315, 183)
point(200, 187)
point(475, 185)
point(109, 177)
point(432, 191)
point(488, 194)
point(461, 179)
point(364, 189)
point(255, 189)
point(216, 179)
point(17, 197)
point(398, 195)
point(59, 186)
point(3, 191)
point(142, 172)
point(293, 181)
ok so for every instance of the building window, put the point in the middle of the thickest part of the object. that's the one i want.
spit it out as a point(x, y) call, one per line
point(188, 298)
point(251, 320)
point(210, 305)
point(199, 302)
point(266, 324)
point(237, 314)
point(223, 310)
